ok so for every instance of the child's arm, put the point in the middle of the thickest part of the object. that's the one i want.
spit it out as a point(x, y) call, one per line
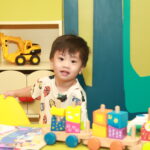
point(24, 92)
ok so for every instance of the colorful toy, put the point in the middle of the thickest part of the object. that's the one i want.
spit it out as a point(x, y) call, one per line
point(145, 130)
point(99, 126)
point(68, 129)
point(138, 121)
point(117, 118)
point(58, 121)
point(27, 51)
point(58, 125)
point(73, 117)
point(117, 123)
point(113, 135)
point(116, 138)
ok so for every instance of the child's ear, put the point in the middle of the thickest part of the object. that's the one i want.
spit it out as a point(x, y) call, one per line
point(80, 72)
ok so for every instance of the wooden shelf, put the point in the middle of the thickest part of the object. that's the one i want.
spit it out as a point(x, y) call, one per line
point(8, 66)
point(31, 24)
point(41, 32)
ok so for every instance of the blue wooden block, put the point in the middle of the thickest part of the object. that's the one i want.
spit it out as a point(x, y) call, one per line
point(58, 125)
point(118, 120)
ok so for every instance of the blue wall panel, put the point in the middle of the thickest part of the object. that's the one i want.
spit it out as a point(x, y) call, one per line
point(71, 16)
point(108, 85)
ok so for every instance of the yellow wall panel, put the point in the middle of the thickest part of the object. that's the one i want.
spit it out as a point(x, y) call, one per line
point(30, 10)
point(140, 36)
point(86, 31)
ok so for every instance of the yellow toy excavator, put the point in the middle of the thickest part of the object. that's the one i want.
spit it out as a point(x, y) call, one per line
point(27, 51)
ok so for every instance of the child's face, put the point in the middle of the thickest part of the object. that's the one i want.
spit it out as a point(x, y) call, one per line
point(66, 66)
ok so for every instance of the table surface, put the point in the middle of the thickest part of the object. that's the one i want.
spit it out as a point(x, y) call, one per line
point(63, 146)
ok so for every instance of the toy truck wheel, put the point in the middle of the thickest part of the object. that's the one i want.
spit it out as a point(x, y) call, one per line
point(20, 60)
point(72, 141)
point(35, 60)
point(94, 144)
point(50, 138)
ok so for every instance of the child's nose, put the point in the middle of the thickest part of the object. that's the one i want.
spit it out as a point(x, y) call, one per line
point(66, 64)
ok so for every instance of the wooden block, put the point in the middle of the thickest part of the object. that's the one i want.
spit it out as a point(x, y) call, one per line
point(58, 125)
point(118, 119)
point(73, 114)
point(57, 111)
point(72, 127)
point(100, 116)
point(116, 133)
point(145, 131)
point(99, 130)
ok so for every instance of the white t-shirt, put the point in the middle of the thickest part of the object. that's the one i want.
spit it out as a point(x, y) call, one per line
point(46, 91)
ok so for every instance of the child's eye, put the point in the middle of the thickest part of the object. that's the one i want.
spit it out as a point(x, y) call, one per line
point(61, 58)
point(73, 61)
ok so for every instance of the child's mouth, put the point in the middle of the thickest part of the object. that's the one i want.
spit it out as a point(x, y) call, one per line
point(65, 73)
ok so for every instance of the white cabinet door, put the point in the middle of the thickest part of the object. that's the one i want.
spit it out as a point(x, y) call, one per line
point(12, 80)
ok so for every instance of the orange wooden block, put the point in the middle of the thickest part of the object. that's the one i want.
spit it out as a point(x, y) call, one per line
point(100, 115)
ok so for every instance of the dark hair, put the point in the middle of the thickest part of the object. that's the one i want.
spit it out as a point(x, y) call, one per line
point(72, 44)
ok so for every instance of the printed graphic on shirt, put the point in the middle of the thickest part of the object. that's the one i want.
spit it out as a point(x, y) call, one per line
point(40, 84)
point(52, 103)
point(62, 97)
point(76, 100)
point(51, 77)
point(44, 119)
point(42, 107)
point(38, 98)
point(83, 99)
point(46, 90)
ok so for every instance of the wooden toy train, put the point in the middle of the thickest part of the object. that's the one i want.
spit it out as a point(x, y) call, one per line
point(109, 129)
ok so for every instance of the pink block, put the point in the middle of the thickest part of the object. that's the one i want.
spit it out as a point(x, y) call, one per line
point(72, 127)
point(116, 133)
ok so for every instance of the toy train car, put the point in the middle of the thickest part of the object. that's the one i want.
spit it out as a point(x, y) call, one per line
point(109, 129)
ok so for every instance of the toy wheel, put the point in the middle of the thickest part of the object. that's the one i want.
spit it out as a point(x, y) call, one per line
point(94, 144)
point(50, 138)
point(35, 60)
point(72, 141)
point(116, 145)
point(20, 60)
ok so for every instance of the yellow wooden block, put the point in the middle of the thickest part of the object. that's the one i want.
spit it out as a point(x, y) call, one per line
point(73, 114)
point(57, 111)
point(99, 130)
